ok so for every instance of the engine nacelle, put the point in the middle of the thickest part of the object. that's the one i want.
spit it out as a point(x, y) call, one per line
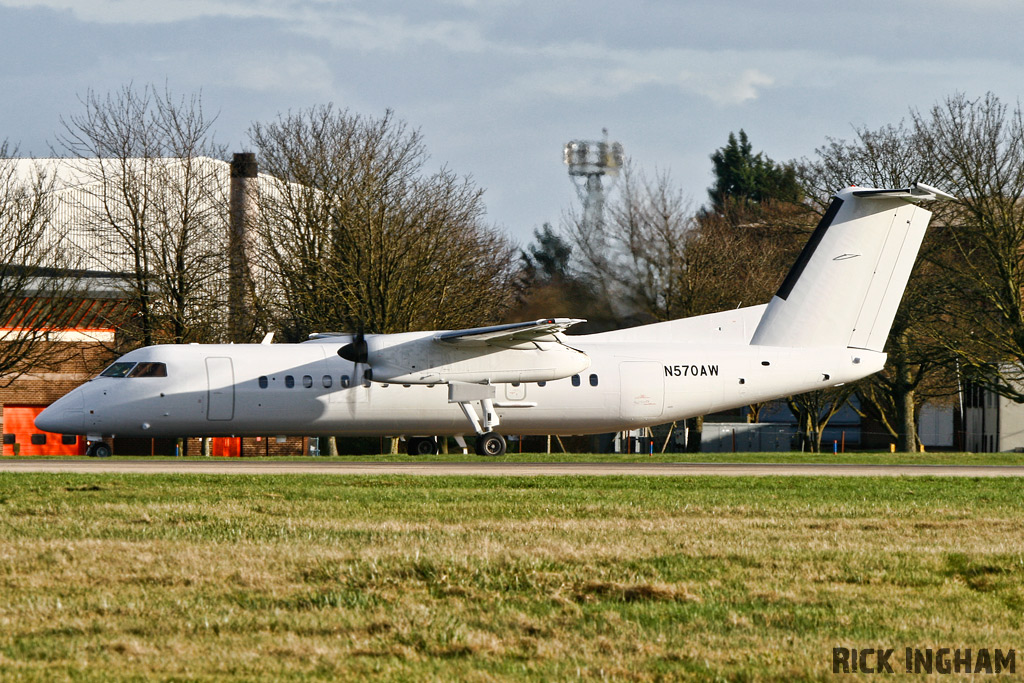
point(416, 358)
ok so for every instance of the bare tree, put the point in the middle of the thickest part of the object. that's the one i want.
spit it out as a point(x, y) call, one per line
point(357, 235)
point(635, 257)
point(154, 203)
point(977, 148)
point(814, 410)
point(37, 274)
point(659, 257)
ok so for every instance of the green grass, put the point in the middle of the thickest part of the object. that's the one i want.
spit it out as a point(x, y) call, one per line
point(306, 577)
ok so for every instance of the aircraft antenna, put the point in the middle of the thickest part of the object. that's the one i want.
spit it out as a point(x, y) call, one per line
point(589, 161)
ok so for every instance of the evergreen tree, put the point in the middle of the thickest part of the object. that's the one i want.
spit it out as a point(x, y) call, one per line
point(750, 179)
point(547, 258)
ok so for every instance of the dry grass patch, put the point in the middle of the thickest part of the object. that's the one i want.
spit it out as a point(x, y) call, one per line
point(326, 578)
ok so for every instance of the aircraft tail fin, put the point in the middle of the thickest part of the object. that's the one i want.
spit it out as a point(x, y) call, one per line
point(846, 285)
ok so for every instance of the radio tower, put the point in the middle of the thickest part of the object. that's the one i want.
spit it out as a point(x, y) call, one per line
point(588, 161)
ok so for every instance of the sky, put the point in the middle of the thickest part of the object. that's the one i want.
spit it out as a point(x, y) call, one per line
point(497, 87)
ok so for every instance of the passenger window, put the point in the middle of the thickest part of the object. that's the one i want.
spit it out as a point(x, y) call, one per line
point(307, 381)
point(542, 383)
point(593, 380)
point(289, 381)
point(263, 382)
point(345, 382)
point(328, 381)
point(149, 370)
point(119, 369)
point(575, 380)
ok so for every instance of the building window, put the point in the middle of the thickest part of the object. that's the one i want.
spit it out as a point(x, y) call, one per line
point(264, 383)
point(289, 381)
point(328, 381)
point(307, 381)
point(69, 439)
point(39, 439)
point(575, 380)
point(8, 439)
point(593, 380)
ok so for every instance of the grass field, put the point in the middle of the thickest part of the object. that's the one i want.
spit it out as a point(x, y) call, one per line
point(307, 577)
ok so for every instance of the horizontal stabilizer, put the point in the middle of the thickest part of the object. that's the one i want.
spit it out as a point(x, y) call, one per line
point(513, 333)
point(916, 192)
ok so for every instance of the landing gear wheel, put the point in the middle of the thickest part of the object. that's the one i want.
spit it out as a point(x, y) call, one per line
point(98, 449)
point(491, 444)
point(421, 446)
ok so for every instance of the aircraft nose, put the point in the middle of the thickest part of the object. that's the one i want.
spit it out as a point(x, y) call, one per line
point(65, 416)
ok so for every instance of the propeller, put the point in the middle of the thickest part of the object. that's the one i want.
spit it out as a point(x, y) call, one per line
point(357, 352)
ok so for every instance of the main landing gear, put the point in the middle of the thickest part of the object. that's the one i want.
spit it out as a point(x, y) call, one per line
point(488, 441)
point(421, 445)
point(98, 449)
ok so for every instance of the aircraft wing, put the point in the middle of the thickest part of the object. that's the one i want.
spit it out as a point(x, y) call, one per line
point(504, 335)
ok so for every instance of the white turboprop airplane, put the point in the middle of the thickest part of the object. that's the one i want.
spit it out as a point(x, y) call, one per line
point(826, 325)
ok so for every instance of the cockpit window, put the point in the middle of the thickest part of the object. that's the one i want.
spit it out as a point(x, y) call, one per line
point(124, 369)
point(149, 370)
point(119, 369)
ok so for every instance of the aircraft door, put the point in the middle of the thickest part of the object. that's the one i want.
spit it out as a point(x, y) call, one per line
point(220, 396)
point(641, 390)
point(515, 391)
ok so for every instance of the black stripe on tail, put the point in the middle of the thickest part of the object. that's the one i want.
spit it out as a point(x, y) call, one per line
point(808, 251)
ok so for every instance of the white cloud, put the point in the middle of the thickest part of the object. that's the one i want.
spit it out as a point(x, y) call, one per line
point(283, 73)
point(735, 90)
point(331, 20)
point(368, 32)
point(726, 78)
point(165, 11)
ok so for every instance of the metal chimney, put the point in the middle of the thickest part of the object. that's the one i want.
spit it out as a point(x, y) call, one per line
point(241, 208)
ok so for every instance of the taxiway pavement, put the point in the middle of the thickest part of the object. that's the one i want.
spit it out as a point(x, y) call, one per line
point(504, 469)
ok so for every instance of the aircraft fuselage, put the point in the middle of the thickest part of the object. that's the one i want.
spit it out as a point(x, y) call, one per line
point(308, 390)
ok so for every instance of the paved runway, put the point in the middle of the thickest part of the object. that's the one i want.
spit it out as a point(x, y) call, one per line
point(530, 469)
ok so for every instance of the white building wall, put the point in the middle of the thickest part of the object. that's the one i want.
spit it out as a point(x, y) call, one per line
point(935, 425)
point(1011, 425)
